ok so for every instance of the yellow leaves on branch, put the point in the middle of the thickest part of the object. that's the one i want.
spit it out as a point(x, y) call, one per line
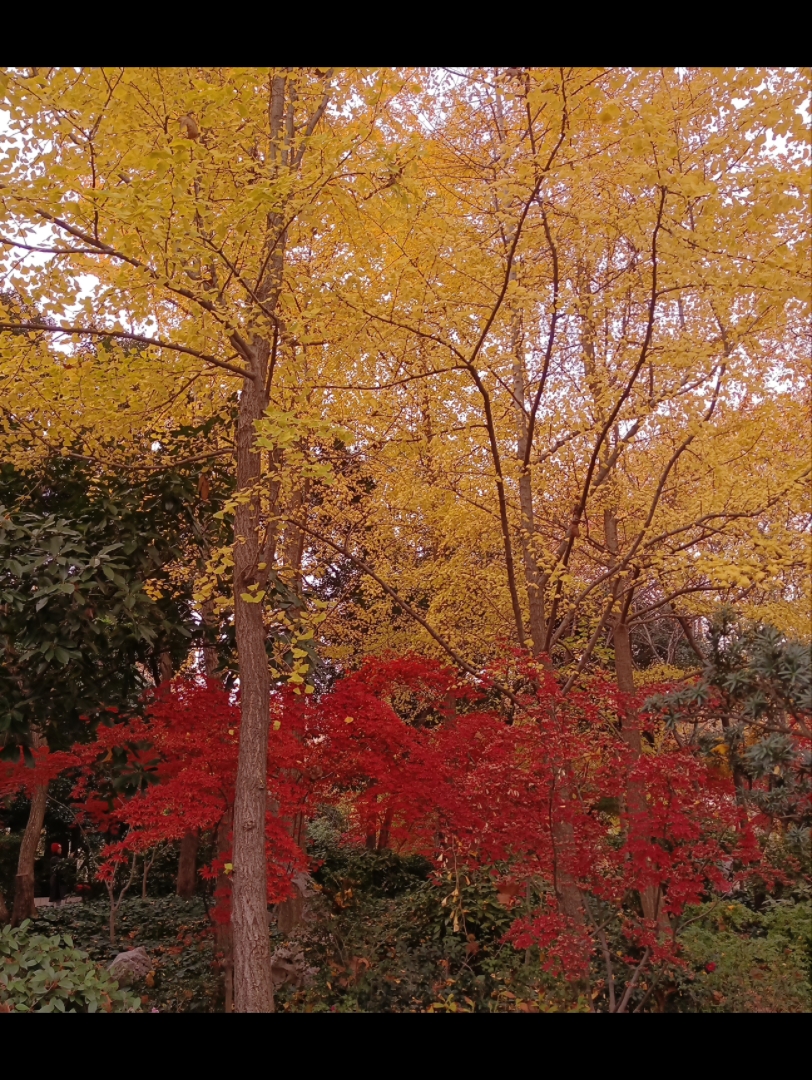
point(504, 312)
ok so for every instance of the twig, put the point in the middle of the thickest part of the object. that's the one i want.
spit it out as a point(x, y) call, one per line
point(624, 1001)
point(410, 611)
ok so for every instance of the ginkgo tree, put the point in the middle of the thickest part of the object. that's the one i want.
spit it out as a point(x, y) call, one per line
point(178, 211)
point(587, 349)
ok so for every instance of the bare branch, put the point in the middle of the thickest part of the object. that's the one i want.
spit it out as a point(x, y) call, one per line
point(123, 335)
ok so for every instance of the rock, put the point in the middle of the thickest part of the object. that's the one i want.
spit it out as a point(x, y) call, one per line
point(130, 965)
point(289, 968)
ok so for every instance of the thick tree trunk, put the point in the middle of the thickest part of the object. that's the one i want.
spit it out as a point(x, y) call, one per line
point(165, 668)
point(24, 907)
point(568, 895)
point(253, 986)
point(187, 864)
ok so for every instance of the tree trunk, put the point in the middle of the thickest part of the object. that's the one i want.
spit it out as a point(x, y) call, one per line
point(187, 858)
point(3, 909)
point(386, 829)
point(24, 907)
point(210, 658)
point(145, 873)
point(165, 668)
point(567, 892)
point(293, 539)
point(568, 895)
point(563, 837)
point(532, 574)
point(651, 896)
point(563, 840)
point(111, 919)
point(223, 932)
point(253, 986)
point(289, 913)
point(187, 864)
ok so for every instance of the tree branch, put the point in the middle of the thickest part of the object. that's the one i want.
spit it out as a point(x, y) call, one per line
point(123, 335)
point(410, 611)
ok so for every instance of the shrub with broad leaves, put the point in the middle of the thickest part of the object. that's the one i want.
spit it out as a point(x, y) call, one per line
point(48, 974)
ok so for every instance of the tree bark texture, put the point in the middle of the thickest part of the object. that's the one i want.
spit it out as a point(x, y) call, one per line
point(289, 912)
point(254, 551)
point(165, 668)
point(253, 986)
point(187, 857)
point(24, 907)
point(532, 575)
point(210, 657)
point(223, 932)
point(650, 897)
point(567, 892)
point(386, 829)
point(187, 864)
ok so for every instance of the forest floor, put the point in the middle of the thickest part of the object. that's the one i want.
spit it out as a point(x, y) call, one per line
point(377, 937)
point(175, 933)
